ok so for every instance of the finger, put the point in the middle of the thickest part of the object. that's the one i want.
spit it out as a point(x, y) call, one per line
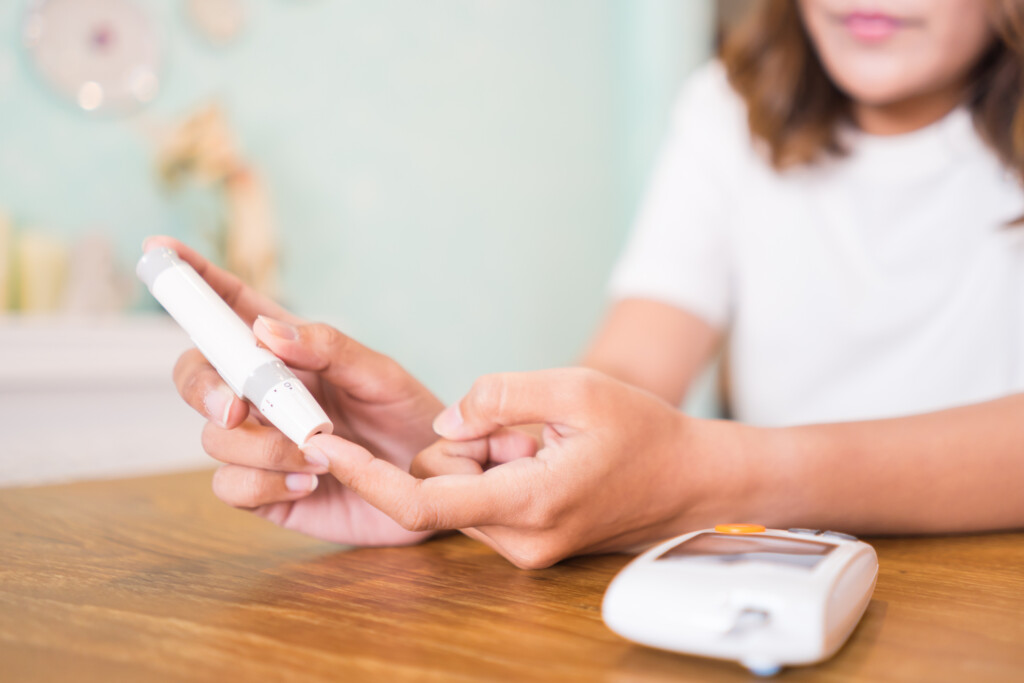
point(560, 396)
point(248, 487)
point(203, 389)
point(339, 359)
point(472, 457)
point(450, 457)
point(450, 501)
point(246, 302)
point(506, 445)
point(255, 445)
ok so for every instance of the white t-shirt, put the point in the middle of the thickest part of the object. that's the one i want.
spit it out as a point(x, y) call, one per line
point(884, 283)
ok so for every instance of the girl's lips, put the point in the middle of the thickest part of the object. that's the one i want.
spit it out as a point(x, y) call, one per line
point(872, 27)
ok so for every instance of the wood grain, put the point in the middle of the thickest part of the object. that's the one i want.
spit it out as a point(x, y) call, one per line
point(153, 579)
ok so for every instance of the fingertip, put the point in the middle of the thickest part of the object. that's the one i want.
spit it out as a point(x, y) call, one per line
point(450, 422)
point(314, 454)
point(261, 330)
point(237, 412)
point(300, 482)
point(319, 449)
point(329, 442)
point(153, 241)
point(331, 451)
point(318, 441)
point(447, 457)
point(265, 326)
point(511, 444)
point(224, 408)
point(286, 341)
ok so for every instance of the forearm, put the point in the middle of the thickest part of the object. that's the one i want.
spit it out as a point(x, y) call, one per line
point(654, 346)
point(950, 471)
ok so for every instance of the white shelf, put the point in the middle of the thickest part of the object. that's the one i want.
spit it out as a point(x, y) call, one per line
point(92, 398)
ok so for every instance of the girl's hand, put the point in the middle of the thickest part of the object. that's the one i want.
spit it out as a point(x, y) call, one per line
point(371, 400)
point(618, 468)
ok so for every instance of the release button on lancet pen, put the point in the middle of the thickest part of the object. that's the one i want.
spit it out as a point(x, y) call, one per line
point(739, 528)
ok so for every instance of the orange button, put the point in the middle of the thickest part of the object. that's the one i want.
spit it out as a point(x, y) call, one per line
point(739, 528)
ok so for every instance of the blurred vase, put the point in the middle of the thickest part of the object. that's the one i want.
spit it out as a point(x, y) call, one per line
point(95, 283)
point(42, 265)
point(6, 260)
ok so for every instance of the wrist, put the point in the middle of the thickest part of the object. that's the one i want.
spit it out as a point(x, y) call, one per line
point(740, 473)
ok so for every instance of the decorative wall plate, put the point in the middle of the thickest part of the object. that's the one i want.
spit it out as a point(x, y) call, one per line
point(103, 55)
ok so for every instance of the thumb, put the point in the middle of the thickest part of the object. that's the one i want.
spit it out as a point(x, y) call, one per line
point(345, 459)
point(450, 501)
point(563, 396)
point(341, 360)
point(375, 480)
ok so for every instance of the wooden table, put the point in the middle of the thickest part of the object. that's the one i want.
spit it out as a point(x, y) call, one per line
point(154, 579)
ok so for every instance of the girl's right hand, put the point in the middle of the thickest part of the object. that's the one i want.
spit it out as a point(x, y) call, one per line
point(619, 468)
point(371, 400)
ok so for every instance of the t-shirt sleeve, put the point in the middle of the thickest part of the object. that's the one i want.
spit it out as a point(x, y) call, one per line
point(678, 252)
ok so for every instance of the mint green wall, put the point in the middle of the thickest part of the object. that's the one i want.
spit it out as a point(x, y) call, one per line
point(451, 178)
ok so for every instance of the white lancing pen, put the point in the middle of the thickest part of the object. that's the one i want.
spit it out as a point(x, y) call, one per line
point(252, 372)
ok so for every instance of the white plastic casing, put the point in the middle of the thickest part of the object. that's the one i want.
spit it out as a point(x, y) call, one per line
point(230, 346)
point(761, 614)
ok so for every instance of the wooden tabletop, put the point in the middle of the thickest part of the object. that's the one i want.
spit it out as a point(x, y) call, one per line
point(153, 579)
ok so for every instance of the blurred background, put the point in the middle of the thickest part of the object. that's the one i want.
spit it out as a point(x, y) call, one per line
point(448, 181)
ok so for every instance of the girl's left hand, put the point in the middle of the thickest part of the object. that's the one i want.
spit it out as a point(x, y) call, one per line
point(618, 468)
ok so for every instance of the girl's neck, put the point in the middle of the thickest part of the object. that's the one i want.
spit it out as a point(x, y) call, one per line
point(909, 114)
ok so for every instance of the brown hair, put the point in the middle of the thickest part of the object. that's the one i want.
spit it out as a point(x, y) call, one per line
point(795, 108)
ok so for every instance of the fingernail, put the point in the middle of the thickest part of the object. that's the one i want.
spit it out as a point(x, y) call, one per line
point(218, 404)
point(314, 456)
point(300, 482)
point(449, 420)
point(279, 328)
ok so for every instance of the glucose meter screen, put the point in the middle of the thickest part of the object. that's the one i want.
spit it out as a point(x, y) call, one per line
point(729, 549)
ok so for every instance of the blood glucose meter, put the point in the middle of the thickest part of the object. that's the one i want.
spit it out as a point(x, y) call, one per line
point(763, 597)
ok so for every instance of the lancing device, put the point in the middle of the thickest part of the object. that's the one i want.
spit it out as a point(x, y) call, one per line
point(252, 372)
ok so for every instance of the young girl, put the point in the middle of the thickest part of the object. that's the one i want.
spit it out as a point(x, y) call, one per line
point(836, 205)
